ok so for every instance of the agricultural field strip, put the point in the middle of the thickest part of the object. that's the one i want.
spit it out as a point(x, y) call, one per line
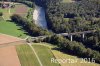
point(12, 36)
point(45, 54)
point(26, 55)
point(9, 44)
point(10, 28)
point(9, 57)
point(35, 54)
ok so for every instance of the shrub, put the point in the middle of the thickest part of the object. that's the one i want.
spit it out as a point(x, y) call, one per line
point(29, 26)
point(1, 14)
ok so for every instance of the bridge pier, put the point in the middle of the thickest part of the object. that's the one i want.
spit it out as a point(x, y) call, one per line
point(71, 37)
point(83, 36)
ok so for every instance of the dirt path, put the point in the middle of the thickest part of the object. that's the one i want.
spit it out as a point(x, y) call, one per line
point(35, 54)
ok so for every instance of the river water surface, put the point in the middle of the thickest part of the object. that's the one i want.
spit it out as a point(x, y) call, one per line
point(39, 17)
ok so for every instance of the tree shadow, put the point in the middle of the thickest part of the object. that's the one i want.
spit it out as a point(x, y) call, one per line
point(20, 27)
point(68, 52)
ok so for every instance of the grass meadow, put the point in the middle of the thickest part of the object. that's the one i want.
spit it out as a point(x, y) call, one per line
point(79, 62)
point(45, 55)
point(26, 56)
point(11, 28)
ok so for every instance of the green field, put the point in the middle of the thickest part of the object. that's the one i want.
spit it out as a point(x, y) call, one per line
point(45, 55)
point(26, 56)
point(67, 1)
point(61, 55)
point(11, 28)
point(40, 47)
point(45, 52)
point(6, 13)
point(6, 10)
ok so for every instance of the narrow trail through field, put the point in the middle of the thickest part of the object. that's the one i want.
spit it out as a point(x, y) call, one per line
point(35, 54)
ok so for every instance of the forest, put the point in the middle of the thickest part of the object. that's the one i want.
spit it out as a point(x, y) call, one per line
point(72, 17)
point(77, 16)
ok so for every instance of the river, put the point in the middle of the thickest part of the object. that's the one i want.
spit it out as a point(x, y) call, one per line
point(39, 17)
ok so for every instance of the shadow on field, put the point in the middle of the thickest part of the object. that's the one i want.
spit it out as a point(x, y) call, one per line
point(65, 51)
point(21, 27)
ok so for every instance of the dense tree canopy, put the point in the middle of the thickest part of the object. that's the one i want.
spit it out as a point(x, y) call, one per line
point(70, 17)
point(29, 26)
